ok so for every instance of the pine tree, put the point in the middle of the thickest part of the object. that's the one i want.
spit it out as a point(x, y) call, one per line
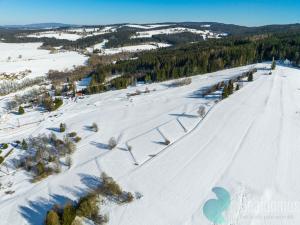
point(24, 145)
point(230, 87)
point(148, 79)
point(250, 77)
point(225, 92)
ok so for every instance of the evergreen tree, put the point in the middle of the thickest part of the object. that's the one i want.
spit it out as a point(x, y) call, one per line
point(273, 66)
point(148, 79)
point(21, 110)
point(52, 218)
point(24, 145)
point(250, 77)
point(69, 215)
point(230, 87)
point(62, 127)
point(225, 92)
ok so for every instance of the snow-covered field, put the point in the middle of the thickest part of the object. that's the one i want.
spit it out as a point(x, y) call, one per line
point(56, 35)
point(247, 144)
point(131, 48)
point(147, 26)
point(205, 33)
point(15, 58)
point(73, 34)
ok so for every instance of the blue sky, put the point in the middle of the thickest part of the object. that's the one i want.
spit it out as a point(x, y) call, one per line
point(251, 13)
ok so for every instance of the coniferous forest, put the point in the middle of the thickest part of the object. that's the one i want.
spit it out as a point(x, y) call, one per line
point(200, 58)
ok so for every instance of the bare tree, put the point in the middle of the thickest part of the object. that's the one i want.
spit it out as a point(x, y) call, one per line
point(201, 111)
point(95, 127)
point(112, 143)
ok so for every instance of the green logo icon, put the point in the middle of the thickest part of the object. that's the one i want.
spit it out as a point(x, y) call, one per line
point(214, 209)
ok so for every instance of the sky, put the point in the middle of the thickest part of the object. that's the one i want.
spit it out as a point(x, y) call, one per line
point(88, 12)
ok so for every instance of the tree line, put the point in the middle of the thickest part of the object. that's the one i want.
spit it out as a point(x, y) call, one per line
point(199, 58)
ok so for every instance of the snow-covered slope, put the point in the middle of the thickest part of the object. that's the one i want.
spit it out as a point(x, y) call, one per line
point(16, 58)
point(147, 26)
point(130, 48)
point(205, 33)
point(247, 144)
point(73, 34)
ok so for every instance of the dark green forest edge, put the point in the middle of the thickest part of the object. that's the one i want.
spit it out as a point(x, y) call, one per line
point(200, 58)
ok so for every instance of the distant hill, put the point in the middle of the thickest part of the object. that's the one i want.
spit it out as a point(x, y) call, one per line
point(38, 26)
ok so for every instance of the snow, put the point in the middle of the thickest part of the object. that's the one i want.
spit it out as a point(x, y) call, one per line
point(73, 34)
point(135, 48)
point(56, 34)
point(37, 60)
point(148, 26)
point(247, 143)
point(176, 30)
point(131, 48)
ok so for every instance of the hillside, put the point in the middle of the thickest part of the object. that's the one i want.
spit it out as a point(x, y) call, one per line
point(236, 145)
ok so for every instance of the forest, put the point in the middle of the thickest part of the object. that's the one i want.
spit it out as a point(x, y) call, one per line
point(199, 58)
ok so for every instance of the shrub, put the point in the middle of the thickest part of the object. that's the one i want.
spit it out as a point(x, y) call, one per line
point(112, 143)
point(69, 161)
point(4, 146)
point(62, 127)
point(167, 142)
point(77, 139)
point(88, 206)
point(1, 159)
point(69, 214)
point(47, 103)
point(21, 110)
point(50, 105)
point(72, 134)
point(109, 186)
point(57, 103)
point(52, 218)
point(129, 197)
point(69, 146)
point(40, 168)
